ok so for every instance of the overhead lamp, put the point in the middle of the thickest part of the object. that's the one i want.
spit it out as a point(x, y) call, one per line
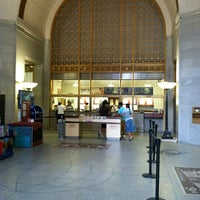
point(166, 86)
point(28, 85)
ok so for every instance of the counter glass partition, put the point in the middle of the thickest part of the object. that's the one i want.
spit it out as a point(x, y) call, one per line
point(67, 87)
point(64, 101)
point(84, 87)
point(140, 94)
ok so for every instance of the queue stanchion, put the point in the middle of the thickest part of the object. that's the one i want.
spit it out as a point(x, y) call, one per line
point(157, 144)
point(155, 127)
point(150, 174)
point(150, 122)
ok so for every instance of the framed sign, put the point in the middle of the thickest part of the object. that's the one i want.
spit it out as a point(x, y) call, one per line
point(126, 91)
point(112, 90)
point(143, 90)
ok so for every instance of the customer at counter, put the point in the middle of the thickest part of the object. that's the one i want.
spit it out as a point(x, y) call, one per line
point(61, 111)
point(104, 111)
point(127, 113)
point(120, 110)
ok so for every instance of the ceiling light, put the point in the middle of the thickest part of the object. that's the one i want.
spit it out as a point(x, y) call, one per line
point(28, 85)
point(166, 85)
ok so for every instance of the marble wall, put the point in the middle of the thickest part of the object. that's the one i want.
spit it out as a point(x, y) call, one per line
point(189, 77)
point(170, 76)
point(7, 67)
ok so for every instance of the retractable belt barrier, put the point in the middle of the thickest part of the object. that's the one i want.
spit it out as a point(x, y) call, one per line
point(154, 157)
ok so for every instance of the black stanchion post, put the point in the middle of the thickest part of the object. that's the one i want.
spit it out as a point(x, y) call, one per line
point(157, 144)
point(153, 124)
point(155, 127)
point(156, 130)
point(150, 122)
point(150, 175)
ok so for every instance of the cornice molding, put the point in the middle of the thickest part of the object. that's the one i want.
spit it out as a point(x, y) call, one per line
point(7, 22)
point(28, 32)
point(189, 15)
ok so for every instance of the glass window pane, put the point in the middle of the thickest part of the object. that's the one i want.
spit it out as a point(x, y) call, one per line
point(64, 101)
point(68, 87)
point(98, 86)
point(84, 104)
point(96, 102)
point(84, 87)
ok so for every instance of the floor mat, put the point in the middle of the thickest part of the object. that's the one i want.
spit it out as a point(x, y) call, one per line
point(190, 179)
point(82, 145)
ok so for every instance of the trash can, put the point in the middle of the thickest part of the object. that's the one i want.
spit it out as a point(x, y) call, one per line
point(61, 128)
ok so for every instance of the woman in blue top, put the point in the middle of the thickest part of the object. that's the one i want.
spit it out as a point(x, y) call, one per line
point(119, 112)
point(129, 121)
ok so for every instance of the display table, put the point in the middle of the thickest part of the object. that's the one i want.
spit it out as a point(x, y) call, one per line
point(27, 134)
point(113, 128)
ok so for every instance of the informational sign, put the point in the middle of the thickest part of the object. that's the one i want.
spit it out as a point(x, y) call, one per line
point(143, 90)
point(112, 90)
point(126, 91)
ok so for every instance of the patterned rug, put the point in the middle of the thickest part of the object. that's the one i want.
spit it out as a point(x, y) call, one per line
point(83, 145)
point(190, 179)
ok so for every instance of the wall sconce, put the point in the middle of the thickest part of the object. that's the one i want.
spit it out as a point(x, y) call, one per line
point(166, 86)
point(28, 85)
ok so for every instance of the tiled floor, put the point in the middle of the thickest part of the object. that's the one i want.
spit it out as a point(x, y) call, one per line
point(49, 173)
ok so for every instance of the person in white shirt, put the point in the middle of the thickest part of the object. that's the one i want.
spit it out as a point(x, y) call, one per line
point(61, 111)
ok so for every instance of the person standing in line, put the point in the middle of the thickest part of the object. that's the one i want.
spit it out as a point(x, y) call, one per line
point(104, 111)
point(119, 113)
point(129, 121)
point(56, 114)
point(61, 111)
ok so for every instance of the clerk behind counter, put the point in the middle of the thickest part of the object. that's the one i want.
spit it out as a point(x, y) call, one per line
point(69, 106)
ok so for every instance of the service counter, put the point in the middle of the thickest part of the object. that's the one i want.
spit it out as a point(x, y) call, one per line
point(74, 126)
point(157, 117)
point(89, 126)
point(139, 122)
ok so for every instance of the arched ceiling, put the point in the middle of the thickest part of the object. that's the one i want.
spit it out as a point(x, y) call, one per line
point(46, 10)
point(39, 14)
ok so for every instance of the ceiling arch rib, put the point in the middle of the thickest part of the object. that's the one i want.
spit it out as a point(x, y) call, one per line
point(169, 10)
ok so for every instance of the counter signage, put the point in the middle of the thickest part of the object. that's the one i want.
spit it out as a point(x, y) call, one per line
point(143, 90)
point(112, 90)
point(126, 91)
